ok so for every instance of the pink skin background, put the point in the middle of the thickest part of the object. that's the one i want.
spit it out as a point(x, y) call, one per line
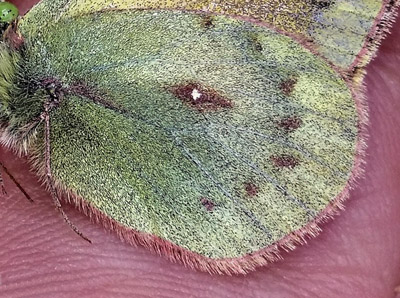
point(357, 255)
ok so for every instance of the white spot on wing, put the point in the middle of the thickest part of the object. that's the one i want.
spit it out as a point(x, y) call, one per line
point(196, 94)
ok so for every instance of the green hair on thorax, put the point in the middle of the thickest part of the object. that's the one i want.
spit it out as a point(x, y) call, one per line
point(9, 54)
point(8, 68)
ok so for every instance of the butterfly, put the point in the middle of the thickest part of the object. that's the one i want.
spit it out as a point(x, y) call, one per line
point(215, 133)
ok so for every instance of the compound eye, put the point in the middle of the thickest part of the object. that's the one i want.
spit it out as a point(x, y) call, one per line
point(8, 12)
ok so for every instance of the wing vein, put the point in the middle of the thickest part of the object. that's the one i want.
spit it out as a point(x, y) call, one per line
point(194, 160)
point(268, 178)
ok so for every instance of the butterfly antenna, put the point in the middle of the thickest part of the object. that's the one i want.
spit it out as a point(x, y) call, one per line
point(3, 189)
point(49, 175)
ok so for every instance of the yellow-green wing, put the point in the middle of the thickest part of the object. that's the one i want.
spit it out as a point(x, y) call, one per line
point(344, 31)
point(218, 137)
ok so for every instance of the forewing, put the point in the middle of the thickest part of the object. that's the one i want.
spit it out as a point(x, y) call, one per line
point(341, 30)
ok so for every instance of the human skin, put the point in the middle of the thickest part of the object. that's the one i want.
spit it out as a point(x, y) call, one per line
point(357, 254)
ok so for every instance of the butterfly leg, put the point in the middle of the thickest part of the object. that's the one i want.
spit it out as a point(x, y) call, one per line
point(49, 176)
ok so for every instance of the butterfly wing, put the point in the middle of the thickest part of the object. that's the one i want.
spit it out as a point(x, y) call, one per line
point(209, 139)
point(346, 32)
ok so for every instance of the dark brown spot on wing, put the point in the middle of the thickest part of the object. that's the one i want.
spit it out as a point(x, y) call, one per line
point(207, 21)
point(256, 44)
point(207, 203)
point(322, 3)
point(251, 189)
point(200, 98)
point(284, 161)
point(290, 124)
point(287, 86)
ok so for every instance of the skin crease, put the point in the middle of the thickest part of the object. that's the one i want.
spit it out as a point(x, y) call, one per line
point(357, 255)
